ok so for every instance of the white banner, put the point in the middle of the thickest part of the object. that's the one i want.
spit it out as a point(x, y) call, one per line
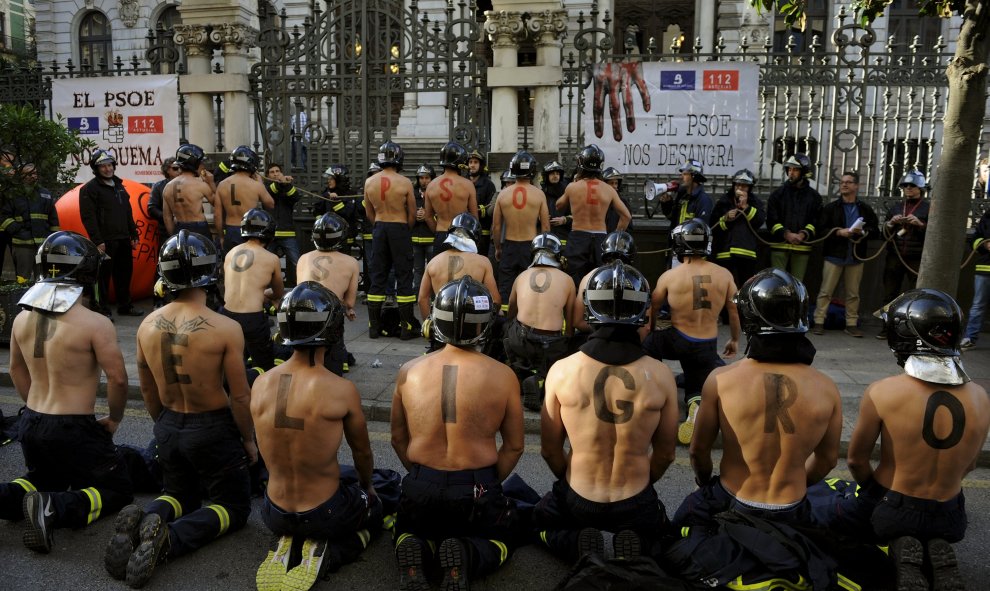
point(650, 118)
point(135, 117)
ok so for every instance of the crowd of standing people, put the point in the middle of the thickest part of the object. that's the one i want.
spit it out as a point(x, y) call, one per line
point(560, 311)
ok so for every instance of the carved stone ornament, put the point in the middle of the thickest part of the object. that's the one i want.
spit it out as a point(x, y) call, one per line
point(233, 34)
point(129, 10)
point(504, 28)
point(549, 25)
point(192, 37)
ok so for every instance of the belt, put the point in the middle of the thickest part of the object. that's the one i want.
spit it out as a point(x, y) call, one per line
point(454, 477)
point(896, 499)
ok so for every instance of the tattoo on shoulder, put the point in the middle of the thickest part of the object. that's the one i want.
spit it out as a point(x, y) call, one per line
point(942, 399)
point(625, 407)
point(182, 327)
point(781, 392)
point(540, 280)
point(44, 330)
point(282, 418)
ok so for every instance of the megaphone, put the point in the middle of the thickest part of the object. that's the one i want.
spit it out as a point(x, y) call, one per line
point(653, 190)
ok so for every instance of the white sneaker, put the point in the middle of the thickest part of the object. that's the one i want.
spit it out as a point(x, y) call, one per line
point(967, 343)
point(686, 430)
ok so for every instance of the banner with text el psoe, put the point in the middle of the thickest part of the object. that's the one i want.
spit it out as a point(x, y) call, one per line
point(705, 111)
point(136, 118)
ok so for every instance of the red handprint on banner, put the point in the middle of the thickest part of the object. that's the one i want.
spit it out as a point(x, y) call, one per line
point(613, 79)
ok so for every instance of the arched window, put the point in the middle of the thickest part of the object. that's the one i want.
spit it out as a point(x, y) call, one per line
point(168, 18)
point(95, 40)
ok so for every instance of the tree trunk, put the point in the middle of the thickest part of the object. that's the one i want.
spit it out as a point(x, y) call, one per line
point(952, 192)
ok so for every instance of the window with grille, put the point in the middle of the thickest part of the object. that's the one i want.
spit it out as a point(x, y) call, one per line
point(95, 40)
point(814, 22)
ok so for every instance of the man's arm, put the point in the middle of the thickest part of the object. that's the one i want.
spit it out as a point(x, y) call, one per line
point(665, 437)
point(19, 373)
point(563, 203)
point(513, 308)
point(350, 296)
point(512, 431)
point(278, 288)
point(624, 216)
point(167, 215)
point(489, 283)
point(267, 201)
point(369, 210)
point(705, 431)
point(552, 430)
point(732, 347)
point(544, 216)
point(826, 453)
point(410, 205)
point(218, 214)
point(146, 380)
point(569, 310)
point(397, 419)
point(497, 227)
point(111, 360)
point(356, 433)
point(240, 392)
point(472, 204)
point(658, 297)
point(425, 291)
point(90, 218)
point(429, 215)
point(864, 438)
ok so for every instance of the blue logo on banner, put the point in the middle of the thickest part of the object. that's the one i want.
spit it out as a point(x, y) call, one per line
point(85, 125)
point(677, 80)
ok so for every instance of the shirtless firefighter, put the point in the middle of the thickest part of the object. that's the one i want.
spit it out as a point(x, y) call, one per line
point(184, 196)
point(239, 193)
point(449, 195)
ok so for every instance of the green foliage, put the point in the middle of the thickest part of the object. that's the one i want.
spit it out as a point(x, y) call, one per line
point(866, 10)
point(29, 138)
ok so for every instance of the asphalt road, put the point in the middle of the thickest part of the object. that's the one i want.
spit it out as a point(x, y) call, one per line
point(76, 561)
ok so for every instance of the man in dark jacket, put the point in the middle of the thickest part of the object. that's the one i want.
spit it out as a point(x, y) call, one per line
point(28, 216)
point(422, 236)
point(981, 287)
point(908, 221)
point(485, 192)
point(736, 218)
point(691, 201)
point(854, 221)
point(281, 189)
point(105, 209)
point(792, 212)
point(554, 185)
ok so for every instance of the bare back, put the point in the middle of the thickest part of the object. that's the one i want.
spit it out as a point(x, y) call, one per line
point(696, 291)
point(451, 265)
point(522, 209)
point(543, 298)
point(589, 200)
point(187, 348)
point(239, 193)
point(388, 197)
point(773, 417)
point(184, 197)
point(248, 270)
point(613, 416)
point(333, 270)
point(451, 414)
point(930, 434)
point(300, 415)
point(63, 354)
point(449, 195)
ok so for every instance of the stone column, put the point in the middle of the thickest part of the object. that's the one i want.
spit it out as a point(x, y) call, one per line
point(503, 28)
point(200, 126)
point(548, 27)
point(235, 40)
point(704, 24)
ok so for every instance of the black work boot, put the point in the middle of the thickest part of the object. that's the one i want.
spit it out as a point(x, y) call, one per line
point(374, 319)
point(408, 321)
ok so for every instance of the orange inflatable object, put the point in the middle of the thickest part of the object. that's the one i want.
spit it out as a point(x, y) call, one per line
point(146, 254)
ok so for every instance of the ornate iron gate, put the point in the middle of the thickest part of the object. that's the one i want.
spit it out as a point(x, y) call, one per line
point(852, 102)
point(332, 90)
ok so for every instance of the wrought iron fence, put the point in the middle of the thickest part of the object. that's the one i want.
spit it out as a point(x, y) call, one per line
point(851, 102)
